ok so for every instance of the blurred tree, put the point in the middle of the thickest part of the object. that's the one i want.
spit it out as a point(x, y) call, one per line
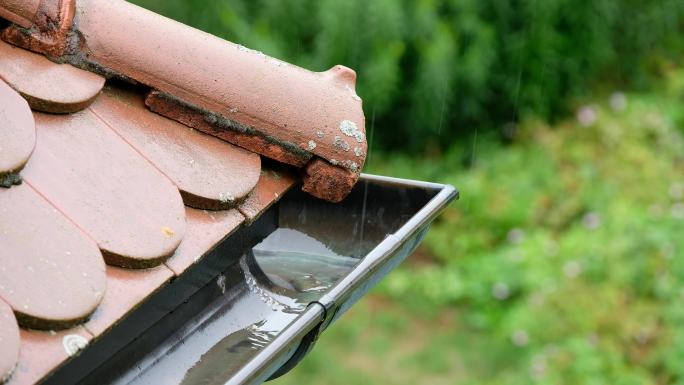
point(431, 71)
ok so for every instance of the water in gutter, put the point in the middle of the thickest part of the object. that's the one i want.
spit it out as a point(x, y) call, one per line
point(262, 314)
point(282, 275)
point(300, 264)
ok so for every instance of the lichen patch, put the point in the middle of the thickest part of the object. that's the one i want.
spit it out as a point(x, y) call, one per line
point(341, 144)
point(226, 198)
point(73, 343)
point(350, 128)
point(353, 166)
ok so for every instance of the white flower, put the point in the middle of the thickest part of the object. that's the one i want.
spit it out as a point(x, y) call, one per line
point(591, 221)
point(676, 191)
point(500, 291)
point(618, 101)
point(520, 338)
point(586, 116)
point(515, 236)
point(677, 210)
point(572, 269)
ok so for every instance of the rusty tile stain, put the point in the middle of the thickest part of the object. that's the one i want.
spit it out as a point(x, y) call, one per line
point(51, 273)
point(205, 230)
point(42, 351)
point(126, 289)
point(9, 342)
point(107, 188)
point(17, 131)
point(47, 86)
point(211, 174)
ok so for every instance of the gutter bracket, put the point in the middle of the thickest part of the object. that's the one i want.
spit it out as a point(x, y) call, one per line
point(308, 341)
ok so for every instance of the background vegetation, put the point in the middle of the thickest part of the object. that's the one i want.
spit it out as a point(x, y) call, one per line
point(434, 70)
point(561, 122)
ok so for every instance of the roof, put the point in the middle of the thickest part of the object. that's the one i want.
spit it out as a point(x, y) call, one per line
point(312, 120)
point(130, 146)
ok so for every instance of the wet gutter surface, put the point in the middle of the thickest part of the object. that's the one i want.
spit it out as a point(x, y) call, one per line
point(246, 314)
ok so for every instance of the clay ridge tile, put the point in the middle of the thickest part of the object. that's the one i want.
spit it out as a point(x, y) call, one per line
point(44, 26)
point(295, 114)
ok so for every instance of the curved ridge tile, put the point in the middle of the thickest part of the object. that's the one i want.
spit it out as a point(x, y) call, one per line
point(133, 212)
point(17, 132)
point(48, 86)
point(210, 173)
point(51, 273)
point(307, 113)
point(9, 342)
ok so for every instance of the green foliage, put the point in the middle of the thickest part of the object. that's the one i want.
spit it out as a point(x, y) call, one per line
point(431, 71)
point(561, 263)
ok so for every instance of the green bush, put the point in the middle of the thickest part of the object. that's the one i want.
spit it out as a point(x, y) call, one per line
point(560, 264)
point(431, 71)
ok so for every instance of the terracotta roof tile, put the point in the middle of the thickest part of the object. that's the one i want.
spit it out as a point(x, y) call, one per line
point(205, 230)
point(108, 179)
point(21, 12)
point(292, 114)
point(17, 132)
point(9, 341)
point(41, 352)
point(47, 86)
point(134, 213)
point(126, 289)
point(188, 115)
point(56, 282)
point(44, 25)
point(186, 156)
point(273, 183)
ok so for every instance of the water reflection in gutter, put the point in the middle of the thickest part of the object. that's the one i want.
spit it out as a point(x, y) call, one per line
point(287, 271)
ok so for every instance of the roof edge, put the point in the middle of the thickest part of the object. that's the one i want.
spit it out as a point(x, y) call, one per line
point(312, 120)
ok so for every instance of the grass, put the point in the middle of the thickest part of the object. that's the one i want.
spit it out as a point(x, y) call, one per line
point(561, 264)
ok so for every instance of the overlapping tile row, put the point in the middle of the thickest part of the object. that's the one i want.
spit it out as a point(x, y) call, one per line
point(46, 86)
point(187, 157)
point(9, 340)
point(313, 120)
point(17, 135)
point(103, 202)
